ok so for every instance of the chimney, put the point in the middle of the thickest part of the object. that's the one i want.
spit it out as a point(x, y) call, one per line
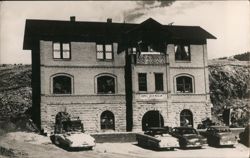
point(109, 20)
point(73, 18)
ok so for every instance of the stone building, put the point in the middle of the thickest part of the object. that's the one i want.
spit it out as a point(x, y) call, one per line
point(118, 76)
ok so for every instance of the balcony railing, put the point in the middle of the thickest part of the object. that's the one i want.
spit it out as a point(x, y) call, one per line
point(151, 59)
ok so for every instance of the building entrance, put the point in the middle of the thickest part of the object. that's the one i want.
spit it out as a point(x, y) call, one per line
point(152, 119)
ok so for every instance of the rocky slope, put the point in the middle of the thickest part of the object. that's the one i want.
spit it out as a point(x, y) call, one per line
point(229, 88)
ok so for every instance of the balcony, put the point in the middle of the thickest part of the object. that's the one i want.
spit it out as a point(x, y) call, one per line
point(150, 58)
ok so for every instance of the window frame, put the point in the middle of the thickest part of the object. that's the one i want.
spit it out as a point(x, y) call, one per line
point(61, 50)
point(162, 84)
point(109, 75)
point(192, 84)
point(104, 51)
point(189, 52)
point(52, 83)
point(139, 84)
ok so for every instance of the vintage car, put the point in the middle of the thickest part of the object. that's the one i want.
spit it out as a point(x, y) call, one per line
point(244, 136)
point(157, 138)
point(188, 137)
point(220, 136)
point(70, 136)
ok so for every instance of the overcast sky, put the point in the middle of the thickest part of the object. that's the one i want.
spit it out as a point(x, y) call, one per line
point(227, 20)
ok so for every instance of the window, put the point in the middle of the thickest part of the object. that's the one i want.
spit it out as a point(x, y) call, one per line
point(106, 84)
point(104, 52)
point(152, 47)
point(107, 120)
point(142, 80)
point(61, 50)
point(184, 84)
point(62, 85)
point(182, 52)
point(158, 82)
point(186, 118)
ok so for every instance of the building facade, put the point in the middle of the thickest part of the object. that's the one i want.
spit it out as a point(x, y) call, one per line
point(118, 76)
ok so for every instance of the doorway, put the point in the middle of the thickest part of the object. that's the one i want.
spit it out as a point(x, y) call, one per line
point(152, 119)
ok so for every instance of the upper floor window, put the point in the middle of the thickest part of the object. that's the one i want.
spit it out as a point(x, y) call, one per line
point(62, 84)
point(106, 84)
point(104, 51)
point(158, 82)
point(155, 48)
point(61, 50)
point(184, 84)
point(182, 52)
point(142, 80)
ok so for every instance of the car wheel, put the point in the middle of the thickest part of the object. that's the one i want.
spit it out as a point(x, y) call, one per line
point(182, 145)
point(56, 141)
point(90, 148)
point(171, 149)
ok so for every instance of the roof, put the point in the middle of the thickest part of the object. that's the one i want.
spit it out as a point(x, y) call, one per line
point(104, 31)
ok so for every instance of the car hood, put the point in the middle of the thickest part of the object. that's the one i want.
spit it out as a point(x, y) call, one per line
point(191, 136)
point(166, 137)
point(80, 138)
point(226, 135)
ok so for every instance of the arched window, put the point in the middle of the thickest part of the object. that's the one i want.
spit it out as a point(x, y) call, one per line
point(62, 84)
point(186, 118)
point(184, 84)
point(106, 84)
point(107, 120)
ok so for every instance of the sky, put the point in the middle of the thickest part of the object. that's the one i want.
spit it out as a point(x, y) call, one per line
point(229, 21)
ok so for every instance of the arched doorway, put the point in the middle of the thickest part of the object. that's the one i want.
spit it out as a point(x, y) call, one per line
point(186, 118)
point(152, 119)
point(107, 120)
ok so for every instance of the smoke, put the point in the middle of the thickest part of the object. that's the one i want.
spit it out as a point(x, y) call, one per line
point(142, 7)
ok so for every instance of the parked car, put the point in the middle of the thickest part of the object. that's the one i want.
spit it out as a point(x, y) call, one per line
point(244, 136)
point(220, 135)
point(157, 138)
point(70, 136)
point(188, 137)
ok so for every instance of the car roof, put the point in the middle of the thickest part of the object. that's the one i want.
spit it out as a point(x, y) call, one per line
point(184, 127)
point(219, 127)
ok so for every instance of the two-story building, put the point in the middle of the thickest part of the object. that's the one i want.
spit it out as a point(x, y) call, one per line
point(118, 76)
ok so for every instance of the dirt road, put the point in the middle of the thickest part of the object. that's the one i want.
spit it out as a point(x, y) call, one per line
point(40, 147)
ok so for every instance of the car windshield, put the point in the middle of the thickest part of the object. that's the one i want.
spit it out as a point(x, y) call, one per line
point(188, 131)
point(157, 131)
point(223, 130)
point(70, 126)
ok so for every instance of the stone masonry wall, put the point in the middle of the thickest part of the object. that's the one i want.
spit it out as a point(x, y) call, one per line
point(84, 102)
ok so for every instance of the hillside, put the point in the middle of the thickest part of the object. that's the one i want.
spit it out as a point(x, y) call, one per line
point(229, 86)
point(15, 90)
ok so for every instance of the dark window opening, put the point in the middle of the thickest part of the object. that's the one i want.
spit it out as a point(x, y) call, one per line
point(61, 50)
point(186, 118)
point(107, 120)
point(182, 52)
point(152, 119)
point(151, 47)
point(62, 85)
point(104, 51)
point(184, 84)
point(105, 84)
point(158, 82)
point(142, 80)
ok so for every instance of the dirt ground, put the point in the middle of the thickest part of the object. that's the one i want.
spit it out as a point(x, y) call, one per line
point(22, 144)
